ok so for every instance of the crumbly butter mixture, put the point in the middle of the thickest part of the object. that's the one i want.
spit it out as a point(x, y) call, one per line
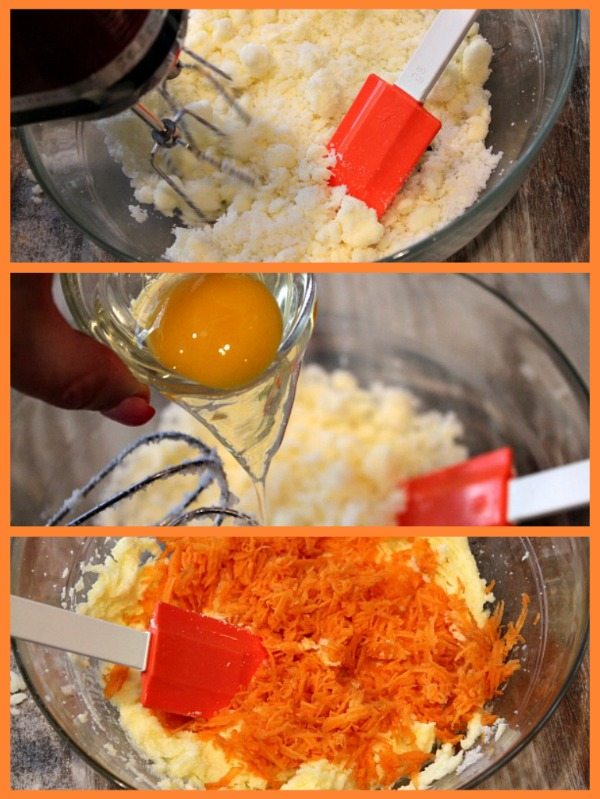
point(181, 759)
point(299, 71)
point(344, 452)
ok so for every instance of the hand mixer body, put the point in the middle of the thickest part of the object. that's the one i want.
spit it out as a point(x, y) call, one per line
point(88, 63)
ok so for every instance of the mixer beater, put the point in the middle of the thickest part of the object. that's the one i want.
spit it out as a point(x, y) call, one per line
point(174, 131)
point(129, 53)
point(204, 464)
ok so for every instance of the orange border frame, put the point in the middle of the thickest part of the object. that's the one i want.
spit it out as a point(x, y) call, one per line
point(433, 267)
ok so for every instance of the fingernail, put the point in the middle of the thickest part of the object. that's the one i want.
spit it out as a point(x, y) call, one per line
point(132, 411)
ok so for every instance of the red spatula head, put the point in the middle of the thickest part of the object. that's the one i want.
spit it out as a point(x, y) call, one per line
point(196, 664)
point(474, 492)
point(379, 142)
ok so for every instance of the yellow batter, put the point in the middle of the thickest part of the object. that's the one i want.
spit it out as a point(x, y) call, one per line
point(181, 759)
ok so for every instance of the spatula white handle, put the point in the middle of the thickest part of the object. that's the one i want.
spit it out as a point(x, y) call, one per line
point(438, 46)
point(74, 632)
point(562, 488)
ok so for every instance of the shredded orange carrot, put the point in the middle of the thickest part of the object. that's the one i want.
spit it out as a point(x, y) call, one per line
point(115, 680)
point(225, 779)
point(359, 648)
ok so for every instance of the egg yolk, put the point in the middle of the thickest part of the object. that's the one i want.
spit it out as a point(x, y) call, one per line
point(222, 331)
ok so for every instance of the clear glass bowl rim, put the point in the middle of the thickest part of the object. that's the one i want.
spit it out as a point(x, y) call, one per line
point(419, 248)
point(566, 363)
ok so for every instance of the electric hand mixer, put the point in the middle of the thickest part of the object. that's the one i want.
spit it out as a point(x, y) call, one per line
point(91, 64)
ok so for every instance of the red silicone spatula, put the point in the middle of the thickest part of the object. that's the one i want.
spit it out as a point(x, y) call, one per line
point(387, 130)
point(483, 491)
point(191, 664)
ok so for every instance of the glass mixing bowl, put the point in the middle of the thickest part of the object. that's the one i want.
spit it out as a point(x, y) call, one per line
point(534, 61)
point(554, 572)
point(455, 344)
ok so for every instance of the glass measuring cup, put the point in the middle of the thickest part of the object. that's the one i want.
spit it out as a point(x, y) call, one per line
point(249, 421)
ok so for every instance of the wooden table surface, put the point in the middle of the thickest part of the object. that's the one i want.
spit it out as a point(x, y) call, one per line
point(556, 189)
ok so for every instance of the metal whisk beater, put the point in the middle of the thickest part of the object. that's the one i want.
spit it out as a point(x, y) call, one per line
point(203, 463)
point(174, 131)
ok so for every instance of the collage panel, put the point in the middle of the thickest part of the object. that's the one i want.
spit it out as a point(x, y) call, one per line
point(257, 152)
point(445, 673)
point(423, 399)
point(439, 365)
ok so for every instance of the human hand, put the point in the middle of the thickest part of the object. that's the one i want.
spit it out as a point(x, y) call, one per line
point(53, 362)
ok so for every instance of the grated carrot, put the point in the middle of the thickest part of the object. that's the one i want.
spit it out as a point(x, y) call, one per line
point(225, 779)
point(115, 680)
point(359, 648)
